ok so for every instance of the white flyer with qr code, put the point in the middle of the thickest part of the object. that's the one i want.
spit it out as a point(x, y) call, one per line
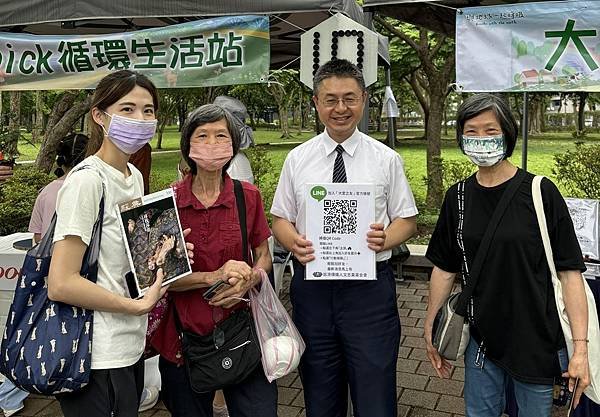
point(338, 216)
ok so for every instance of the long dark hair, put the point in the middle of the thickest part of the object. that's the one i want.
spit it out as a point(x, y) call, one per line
point(70, 152)
point(109, 90)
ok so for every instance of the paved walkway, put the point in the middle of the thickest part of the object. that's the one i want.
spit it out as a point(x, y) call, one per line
point(420, 392)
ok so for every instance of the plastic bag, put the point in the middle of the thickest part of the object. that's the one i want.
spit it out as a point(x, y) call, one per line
point(280, 342)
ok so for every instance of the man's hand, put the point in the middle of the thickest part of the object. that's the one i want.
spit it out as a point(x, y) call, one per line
point(442, 366)
point(376, 237)
point(6, 172)
point(303, 249)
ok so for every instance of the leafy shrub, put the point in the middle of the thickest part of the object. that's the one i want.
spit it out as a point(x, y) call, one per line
point(578, 170)
point(265, 175)
point(455, 171)
point(17, 196)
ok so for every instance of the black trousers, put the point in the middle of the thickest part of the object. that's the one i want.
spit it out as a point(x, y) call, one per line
point(110, 393)
point(352, 335)
point(252, 397)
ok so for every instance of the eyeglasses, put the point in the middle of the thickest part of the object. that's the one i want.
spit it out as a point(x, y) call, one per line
point(348, 102)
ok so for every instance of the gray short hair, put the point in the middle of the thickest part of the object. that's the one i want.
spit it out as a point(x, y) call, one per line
point(482, 102)
point(202, 115)
point(341, 68)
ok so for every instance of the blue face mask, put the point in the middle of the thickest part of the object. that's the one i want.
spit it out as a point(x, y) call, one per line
point(484, 151)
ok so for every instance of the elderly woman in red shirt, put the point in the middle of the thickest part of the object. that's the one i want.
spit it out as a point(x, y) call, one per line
point(207, 205)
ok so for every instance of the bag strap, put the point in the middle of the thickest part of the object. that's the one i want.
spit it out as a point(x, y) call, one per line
point(93, 249)
point(538, 203)
point(240, 201)
point(463, 299)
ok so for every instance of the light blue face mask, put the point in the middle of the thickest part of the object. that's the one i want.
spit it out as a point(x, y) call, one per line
point(484, 151)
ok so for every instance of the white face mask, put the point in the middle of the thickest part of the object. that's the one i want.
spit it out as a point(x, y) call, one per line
point(484, 151)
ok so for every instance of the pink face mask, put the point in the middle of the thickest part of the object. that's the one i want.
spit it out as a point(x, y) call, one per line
point(211, 157)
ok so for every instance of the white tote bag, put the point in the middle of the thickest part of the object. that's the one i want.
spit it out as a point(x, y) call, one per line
point(593, 334)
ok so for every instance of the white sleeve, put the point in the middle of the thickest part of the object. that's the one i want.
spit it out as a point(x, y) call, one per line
point(400, 201)
point(77, 205)
point(284, 201)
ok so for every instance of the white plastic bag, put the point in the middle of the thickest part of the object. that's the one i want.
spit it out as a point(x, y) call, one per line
point(280, 342)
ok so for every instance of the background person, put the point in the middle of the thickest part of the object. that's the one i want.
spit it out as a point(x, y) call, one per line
point(70, 151)
point(206, 203)
point(239, 167)
point(345, 345)
point(515, 330)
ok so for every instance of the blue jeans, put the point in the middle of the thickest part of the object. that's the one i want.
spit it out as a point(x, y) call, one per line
point(11, 397)
point(485, 388)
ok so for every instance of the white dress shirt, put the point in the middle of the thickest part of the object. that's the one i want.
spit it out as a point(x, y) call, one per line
point(366, 160)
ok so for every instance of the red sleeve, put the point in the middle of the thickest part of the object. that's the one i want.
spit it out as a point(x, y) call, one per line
point(142, 160)
point(260, 227)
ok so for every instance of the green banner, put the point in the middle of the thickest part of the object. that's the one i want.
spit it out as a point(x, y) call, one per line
point(221, 51)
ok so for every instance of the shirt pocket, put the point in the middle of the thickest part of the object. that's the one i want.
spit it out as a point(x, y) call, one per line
point(230, 234)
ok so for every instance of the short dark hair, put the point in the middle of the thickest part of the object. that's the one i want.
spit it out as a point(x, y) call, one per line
point(207, 113)
point(479, 103)
point(341, 68)
point(109, 90)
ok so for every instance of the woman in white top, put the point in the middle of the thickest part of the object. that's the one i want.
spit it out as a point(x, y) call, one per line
point(123, 112)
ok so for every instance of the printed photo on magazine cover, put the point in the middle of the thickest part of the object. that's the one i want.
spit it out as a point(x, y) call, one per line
point(152, 231)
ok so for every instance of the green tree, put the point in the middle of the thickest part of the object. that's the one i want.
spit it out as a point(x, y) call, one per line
point(430, 81)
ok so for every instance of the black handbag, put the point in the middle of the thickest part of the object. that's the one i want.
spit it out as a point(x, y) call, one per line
point(231, 352)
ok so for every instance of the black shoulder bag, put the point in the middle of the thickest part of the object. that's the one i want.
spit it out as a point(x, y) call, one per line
point(231, 352)
point(450, 334)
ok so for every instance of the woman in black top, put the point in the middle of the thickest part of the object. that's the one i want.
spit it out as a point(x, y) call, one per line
point(515, 330)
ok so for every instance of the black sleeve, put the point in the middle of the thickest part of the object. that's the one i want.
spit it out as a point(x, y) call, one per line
point(565, 247)
point(443, 248)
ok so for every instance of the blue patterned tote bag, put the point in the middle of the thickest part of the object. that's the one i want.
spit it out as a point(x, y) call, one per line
point(46, 346)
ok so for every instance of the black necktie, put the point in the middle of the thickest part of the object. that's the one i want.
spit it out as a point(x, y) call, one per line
point(339, 171)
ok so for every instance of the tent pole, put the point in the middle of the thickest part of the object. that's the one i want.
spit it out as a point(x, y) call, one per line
point(391, 126)
point(525, 130)
point(363, 125)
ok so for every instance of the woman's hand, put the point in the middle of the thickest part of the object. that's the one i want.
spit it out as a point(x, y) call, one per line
point(578, 369)
point(441, 365)
point(233, 295)
point(239, 270)
point(151, 297)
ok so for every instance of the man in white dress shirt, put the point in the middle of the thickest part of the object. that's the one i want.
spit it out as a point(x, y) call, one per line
point(351, 328)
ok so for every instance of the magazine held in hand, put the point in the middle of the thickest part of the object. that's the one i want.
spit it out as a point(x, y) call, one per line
point(154, 239)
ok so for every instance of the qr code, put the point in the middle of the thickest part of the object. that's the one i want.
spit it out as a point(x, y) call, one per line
point(339, 216)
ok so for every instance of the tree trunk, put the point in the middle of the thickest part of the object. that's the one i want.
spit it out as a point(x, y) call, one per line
point(581, 111)
point(283, 121)
point(433, 134)
point(161, 129)
point(445, 121)
point(1, 110)
point(14, 125)
point(62, 122)
point(38, 125)
point(379, 112)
